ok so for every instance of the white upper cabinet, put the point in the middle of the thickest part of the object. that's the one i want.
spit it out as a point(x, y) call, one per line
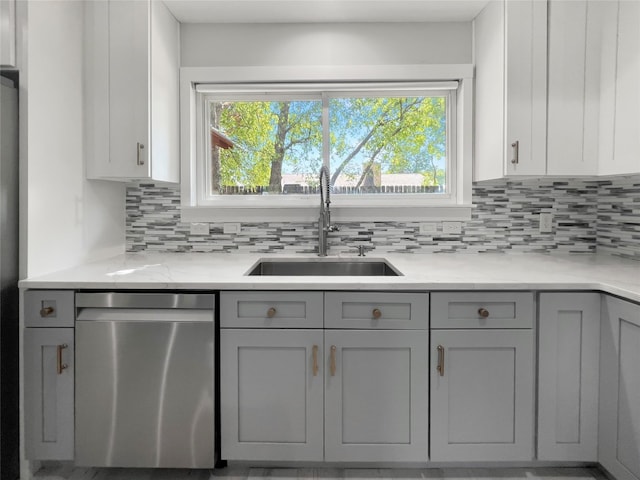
point(8, 33)
point(132, 79)
point(573, 89)
point(620, 95)
point(511, 69)
point(593, 96)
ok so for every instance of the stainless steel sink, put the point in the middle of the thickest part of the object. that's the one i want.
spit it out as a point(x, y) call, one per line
point(294, 268)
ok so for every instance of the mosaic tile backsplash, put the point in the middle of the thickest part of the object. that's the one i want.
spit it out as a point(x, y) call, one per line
point(601, 214)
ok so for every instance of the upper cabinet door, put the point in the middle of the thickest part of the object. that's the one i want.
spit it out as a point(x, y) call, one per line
point(573, 89)
point(129, 70)
point(131, 74)
point(511, 71)
point(8, 33)
point(627, 102)
point(526, 87)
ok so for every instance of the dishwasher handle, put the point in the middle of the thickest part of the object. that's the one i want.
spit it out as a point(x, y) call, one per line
point(131, 315)
point(198, 301)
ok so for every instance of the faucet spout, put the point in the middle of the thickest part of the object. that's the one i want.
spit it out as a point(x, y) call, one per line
point(324, 218)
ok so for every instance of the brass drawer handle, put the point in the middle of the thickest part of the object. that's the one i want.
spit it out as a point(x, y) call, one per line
point(315, 360)
point(61, 366)
point(483, 312)
point(271, 312)
point(332, 363)
point(377, 314)
point(46, 311)
point(440, 367)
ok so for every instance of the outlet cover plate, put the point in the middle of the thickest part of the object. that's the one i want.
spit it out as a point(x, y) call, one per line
point(546, 222)
point(230, 228)
point(199, 229)
point(428, 228)
point(452, 227)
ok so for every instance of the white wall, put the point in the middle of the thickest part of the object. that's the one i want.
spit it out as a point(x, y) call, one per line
point(69, 220)
point(206, 45)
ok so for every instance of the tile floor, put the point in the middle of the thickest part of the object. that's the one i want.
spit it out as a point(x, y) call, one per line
point(245, 473)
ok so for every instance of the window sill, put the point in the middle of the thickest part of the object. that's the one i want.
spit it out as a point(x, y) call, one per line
point(338, 214)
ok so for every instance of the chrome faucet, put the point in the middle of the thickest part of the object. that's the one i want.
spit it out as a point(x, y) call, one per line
point(324, 221)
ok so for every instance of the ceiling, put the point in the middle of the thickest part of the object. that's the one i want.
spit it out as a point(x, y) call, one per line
point(323, 11)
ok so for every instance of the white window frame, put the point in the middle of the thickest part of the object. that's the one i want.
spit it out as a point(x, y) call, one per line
point(196, 83)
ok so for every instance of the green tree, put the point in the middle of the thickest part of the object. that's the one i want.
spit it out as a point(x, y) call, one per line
point(402, 135)
point(266, 135)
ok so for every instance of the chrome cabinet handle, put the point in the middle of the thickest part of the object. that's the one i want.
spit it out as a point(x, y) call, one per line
point(315, 360)
point(140, 158)
point(332, 363)
point(61, 366)
point(483, 312)
point(271, 312)
point(376, 313)
point(46, 311)
point(440, 367)
point(516, 147)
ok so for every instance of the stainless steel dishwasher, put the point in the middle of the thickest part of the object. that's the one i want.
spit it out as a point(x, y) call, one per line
point(144, 380)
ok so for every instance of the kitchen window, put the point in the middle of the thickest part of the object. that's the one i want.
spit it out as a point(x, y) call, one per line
point(257, 149)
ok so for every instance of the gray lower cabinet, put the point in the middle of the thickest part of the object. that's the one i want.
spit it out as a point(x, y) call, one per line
point(376, 396)
point(619, 408)
point(271, 394)
point(569, 351)
point(482, 395)
point(336, 395)
point(482, 383)
point(49, 393)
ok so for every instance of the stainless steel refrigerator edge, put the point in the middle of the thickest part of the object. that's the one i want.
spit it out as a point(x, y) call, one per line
point(9, 275)
point(145, 380)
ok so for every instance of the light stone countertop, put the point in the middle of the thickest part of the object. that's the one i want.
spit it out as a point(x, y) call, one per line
point(218, 271)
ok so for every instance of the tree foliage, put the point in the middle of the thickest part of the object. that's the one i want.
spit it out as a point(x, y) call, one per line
point(367, 135)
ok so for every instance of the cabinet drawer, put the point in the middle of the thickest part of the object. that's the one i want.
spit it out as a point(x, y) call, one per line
point(482, 310)
point(48, 308)
point(372, 310)
point(271, 309)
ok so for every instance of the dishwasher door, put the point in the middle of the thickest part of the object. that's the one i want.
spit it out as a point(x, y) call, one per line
point(145, 387)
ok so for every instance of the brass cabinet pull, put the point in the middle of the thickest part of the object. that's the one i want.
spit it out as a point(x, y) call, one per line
point(483, 312)
point(332, 363)
point(140, 158)
point(61, 366)
point(440, 367)
point(516, 147)
point(315, 360)
point(46, 311)
point(271, 312)
point(376, 313)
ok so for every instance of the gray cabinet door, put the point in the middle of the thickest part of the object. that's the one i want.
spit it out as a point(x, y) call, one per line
point(271, 397)
point(619, 418)
point(569, 347)
point(482, 395)
point(49, 392)
point(376, 396)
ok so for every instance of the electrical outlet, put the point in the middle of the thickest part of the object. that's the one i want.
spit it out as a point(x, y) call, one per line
point(452, 227)
point(546, 222)
point(199, 229)
point(230, 228)
point(428, 228)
